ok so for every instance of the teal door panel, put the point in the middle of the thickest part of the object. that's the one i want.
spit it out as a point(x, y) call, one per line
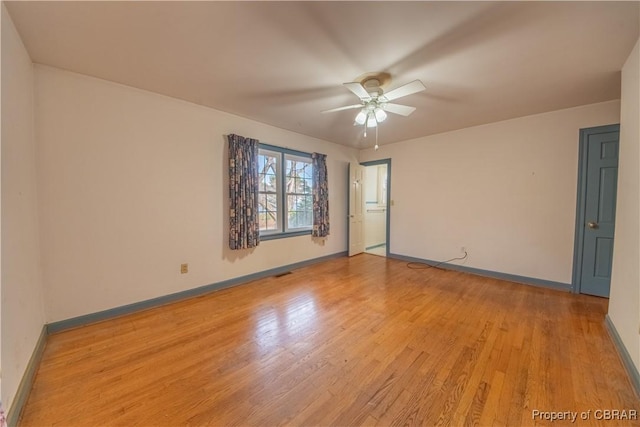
point(599, 212)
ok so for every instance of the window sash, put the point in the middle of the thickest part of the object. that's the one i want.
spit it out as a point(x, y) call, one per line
point(299, 196)
point(278, 193)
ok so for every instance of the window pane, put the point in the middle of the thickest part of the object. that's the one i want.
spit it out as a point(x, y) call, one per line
point(267, 164)
point(291, 212)
point(308, 186)
point(269, 223)
point(308, 171)
point(299, 211)
point(271, 212)
point(267, 169)
point(270, 182)
point(262, 202)
point(272, 202)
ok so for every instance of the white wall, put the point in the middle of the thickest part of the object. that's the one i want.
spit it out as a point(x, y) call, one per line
point(22, 292)
point(624, 303)
point(133, 184)
point(506, 191)
point(371, 184)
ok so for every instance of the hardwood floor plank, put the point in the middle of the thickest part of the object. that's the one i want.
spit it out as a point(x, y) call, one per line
point(489, 415)
point(351, 341)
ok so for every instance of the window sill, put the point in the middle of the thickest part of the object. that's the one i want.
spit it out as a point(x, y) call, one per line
point(275, 236)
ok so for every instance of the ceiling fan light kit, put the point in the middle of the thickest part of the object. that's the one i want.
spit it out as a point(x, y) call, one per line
point(380, 114)
point(374, 102)
point(361, 118)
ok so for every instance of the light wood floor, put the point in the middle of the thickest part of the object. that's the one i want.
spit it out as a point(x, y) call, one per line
point(352, 341)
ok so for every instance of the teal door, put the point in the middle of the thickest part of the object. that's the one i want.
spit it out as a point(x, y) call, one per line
point(599, 151)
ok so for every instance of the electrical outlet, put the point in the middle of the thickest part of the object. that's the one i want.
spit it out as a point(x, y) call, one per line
point(463, 249)
point(184, 268)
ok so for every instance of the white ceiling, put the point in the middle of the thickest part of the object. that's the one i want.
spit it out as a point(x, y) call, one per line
point(282, 63)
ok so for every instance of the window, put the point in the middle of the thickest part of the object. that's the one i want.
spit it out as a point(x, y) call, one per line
point(285, 200)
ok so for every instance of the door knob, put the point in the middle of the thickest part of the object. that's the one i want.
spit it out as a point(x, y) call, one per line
point(593, 225)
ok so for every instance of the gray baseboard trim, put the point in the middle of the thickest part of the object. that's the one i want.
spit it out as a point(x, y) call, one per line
point(634, 375)
point(375, 246)
point(111, 313)
point(24, 388)
point(488, 273)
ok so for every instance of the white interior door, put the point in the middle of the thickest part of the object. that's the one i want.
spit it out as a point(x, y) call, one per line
point(356, 208)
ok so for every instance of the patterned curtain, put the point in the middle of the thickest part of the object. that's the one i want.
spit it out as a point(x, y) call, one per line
point(244, 230)
point(320, 196)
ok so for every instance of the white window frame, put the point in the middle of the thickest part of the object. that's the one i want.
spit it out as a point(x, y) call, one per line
point(284, 154)
point(278, 192)
point(285, 197)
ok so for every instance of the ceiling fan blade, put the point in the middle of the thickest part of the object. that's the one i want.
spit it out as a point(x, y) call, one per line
point(348, 107)
point(408, 89)
point(359, 90)
point(403, 110)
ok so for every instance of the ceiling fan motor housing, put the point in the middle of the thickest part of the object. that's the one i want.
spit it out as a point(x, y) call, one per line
point(372, 86)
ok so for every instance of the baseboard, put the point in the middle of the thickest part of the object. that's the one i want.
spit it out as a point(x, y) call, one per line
point(111, 313)
point(24, 388)
point(634, 375)
point(488, 273)
point(379, 245)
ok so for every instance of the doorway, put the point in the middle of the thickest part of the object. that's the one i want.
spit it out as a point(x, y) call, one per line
point(373, 238)
point(376, 209)
point(596, 210)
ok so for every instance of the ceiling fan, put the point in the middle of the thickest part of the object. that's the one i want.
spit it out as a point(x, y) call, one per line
point(374, 102)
